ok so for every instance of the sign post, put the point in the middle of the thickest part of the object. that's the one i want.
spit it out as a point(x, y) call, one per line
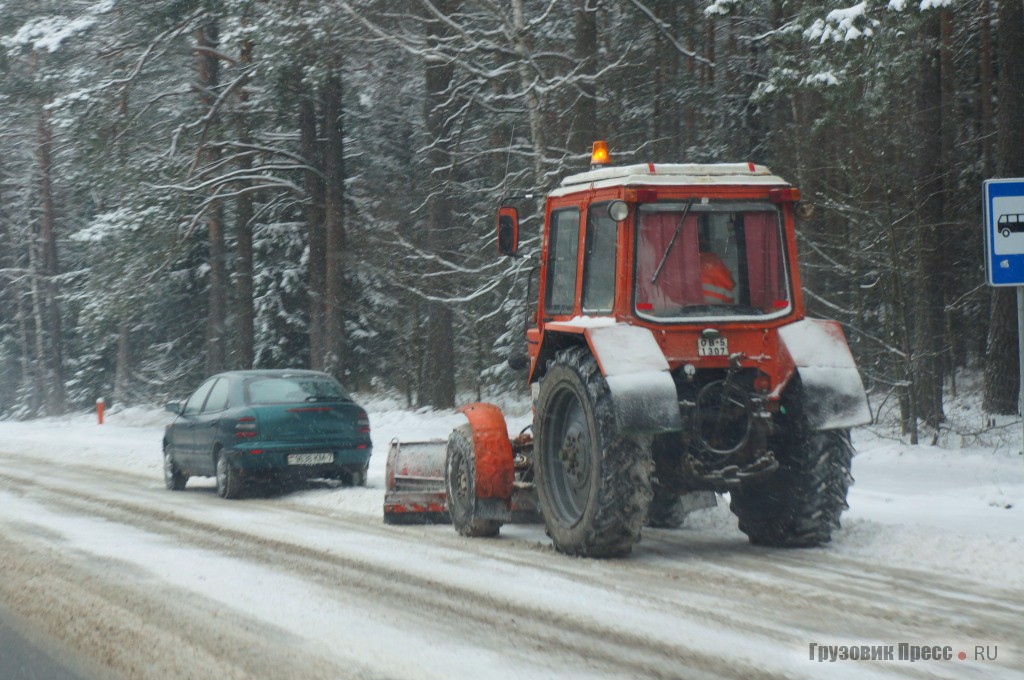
point(1004, 251)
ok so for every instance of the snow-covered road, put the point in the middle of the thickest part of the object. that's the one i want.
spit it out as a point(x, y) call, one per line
point(145, 583)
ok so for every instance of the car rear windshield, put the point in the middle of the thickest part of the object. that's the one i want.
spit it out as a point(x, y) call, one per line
point(292, 390)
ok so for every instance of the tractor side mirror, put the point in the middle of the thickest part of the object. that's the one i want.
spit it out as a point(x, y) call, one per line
point(508, 231)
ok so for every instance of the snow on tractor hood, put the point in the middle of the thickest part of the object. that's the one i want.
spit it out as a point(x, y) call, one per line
point(834, 396)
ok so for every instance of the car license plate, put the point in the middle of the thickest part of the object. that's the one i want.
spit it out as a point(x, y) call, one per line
point(718, 347)
point(310, 458)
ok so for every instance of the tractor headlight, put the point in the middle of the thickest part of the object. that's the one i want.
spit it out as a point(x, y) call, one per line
point(618, 210)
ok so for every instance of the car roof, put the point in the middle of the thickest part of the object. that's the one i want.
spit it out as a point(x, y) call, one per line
point(274, 373)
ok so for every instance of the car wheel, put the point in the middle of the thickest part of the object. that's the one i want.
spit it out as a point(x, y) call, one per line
point(353, 476)
point(174, 478)
point(229, 484)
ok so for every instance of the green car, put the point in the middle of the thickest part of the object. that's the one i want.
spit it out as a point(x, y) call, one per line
point(244, 426)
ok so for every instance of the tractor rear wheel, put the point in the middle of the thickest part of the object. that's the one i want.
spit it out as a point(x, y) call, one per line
point(460, 484)
point(593, 481)
point(800, 503)
point(670, 510)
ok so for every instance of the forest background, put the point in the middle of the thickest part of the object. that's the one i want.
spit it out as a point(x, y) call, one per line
point(187, 187)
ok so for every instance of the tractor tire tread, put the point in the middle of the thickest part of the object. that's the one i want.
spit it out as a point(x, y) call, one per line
point(463, 519)
point(801, 503)
point(624, 491)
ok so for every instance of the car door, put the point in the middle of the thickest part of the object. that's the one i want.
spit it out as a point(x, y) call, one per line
point(206, 425)
point(184, 428)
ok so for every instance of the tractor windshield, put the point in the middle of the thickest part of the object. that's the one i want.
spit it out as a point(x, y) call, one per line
point(710, 259)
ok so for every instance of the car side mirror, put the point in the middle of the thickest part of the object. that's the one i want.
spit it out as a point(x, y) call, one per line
point(174, 407)
point(508, 231)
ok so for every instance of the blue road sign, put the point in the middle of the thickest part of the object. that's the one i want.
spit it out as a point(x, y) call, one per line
point(1004, 231)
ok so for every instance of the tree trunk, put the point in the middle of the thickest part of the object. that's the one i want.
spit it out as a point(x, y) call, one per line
point(334, 228)
point(438, 383)
point(527, 83)
point(315, 226)
point(690, 115)
point(121, 369)
point(1002, 367)
point(30, 373)
point(665, 118)
point(244, 312)
point(207, 40)
point(929, 346)
point(985, 95)
point(952, 234)
point(50, 343)
point(584, 124)
point(122, 366)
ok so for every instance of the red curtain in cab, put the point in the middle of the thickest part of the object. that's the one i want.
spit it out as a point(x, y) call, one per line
point(764, 261)
point(679, 281)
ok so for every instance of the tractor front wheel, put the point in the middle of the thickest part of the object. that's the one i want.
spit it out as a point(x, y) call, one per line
point(593, 481)
point(460, 484)
point(666, 510)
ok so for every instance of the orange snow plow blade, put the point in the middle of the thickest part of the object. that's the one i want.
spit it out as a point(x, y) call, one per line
point(415, 483)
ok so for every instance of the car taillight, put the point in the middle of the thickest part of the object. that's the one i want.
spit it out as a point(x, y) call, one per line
point(364, 425)
point(245, 427)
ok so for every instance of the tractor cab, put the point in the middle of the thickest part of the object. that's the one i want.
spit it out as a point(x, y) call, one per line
point(702, 255)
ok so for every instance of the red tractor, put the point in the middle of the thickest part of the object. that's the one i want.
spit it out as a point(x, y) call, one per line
point(669, 357)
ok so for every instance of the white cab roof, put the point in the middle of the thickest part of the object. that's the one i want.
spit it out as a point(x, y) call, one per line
point(670, 174)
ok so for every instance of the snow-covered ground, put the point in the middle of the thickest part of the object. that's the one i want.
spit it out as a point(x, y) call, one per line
point(954, 510)
point(930, 552)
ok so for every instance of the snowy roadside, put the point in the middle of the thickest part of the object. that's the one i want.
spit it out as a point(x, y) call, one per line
point(924, 507)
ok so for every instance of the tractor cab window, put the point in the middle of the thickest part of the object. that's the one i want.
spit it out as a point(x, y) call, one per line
point(600, 243)
point(563, 252)
point(710, 259)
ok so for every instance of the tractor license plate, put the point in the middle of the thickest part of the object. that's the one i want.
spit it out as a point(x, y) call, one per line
point(310, 458)
point(719, 347)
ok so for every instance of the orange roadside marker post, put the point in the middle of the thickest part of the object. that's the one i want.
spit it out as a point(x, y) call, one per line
point(100, 405)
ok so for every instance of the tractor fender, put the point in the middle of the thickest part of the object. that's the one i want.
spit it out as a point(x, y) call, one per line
point(634, 366)
point(495, 471)
point(833, 393)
